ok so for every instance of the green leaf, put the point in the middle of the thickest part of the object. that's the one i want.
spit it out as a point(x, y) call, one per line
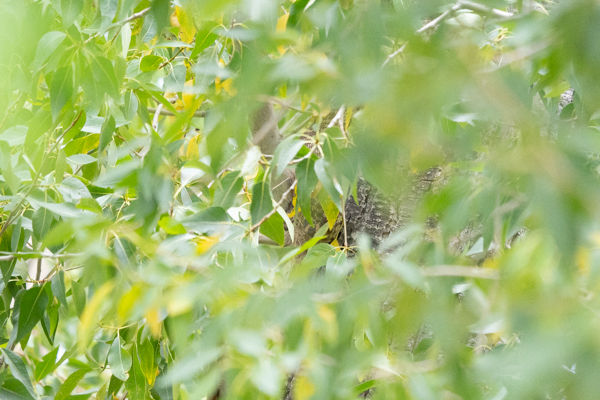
point(70, 10)
point(70, 384)
point(108, 128)
point(81, 159)
point(131, 105)
point(119, 359)
point(104, 75)
point(46, 365)
point(41, 222)
point(58, 288)
point(307, 181)
point(285, 152)
point(229, 186)
point(147, 353)
point(261, 201)
point(136, 384)
point(79, 297)
point(160, 13)
point(46, 46)
point(6, 168)
point(12, 389)
point(61, 89)
point(150, 63)
point(18, 369)
point(273, 229)
point(108, 9)
point(328, 183)
point(171, 226)
point(33, 305)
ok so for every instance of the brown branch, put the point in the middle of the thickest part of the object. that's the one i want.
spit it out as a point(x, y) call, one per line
point(274, 210)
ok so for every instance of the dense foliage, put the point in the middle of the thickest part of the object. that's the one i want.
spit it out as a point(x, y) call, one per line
point(147, 248)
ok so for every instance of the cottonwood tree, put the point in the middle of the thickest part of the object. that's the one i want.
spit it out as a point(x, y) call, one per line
point(299, 199)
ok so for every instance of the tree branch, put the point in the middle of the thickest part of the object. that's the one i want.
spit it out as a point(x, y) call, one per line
point(274, 210)
point(460, 5)
point(162, 111)
point(120, 23)
point(458, 270)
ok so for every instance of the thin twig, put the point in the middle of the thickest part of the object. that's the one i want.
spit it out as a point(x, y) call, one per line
point(460, 5)
point(458, 270)
point(7, 256)
point(274, 210)
point(162, 111)
point(171, 59)
point(15, 210)
point(120, 23)
point(339, 116)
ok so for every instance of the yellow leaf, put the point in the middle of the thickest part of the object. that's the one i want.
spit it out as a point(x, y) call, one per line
point(303, 388)
point(329, 208)
point(349, 113)
point(227, 85)
point(335, 243)
point(127, 302)
point(583, 260)
point(204, 243)
point(305, 102)
point(188, 97)
point(217, 85)
point(90, 315)
point(282, 23)
point(187, 30)
point(174, 20)
point(192, 152)
point(153, 321)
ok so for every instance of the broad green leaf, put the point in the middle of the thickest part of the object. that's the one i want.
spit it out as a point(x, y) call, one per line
point(18, 369)
point(171, 226)
point(273, 229)
point(108, 128)
point(7, 266)
point(104, 75)
point(61, 89)
point(307, 181)
point(108, 9)
point(58, 288)
point(261, 201)
point(150, 63)
point(119, 359)
point(70, 10)
point(136, 384)
point(46, 46)
point(329, 208)
point(160, 12)
point(285, 152)
point(46, 365)
point(229, 186)
point(70, 384)
point(6, 168)
point(79, 297)
point(328, 182)
point(41, 222)
point(33, 305)
point(13, 389)
point(147, 353)
point(131, 105)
